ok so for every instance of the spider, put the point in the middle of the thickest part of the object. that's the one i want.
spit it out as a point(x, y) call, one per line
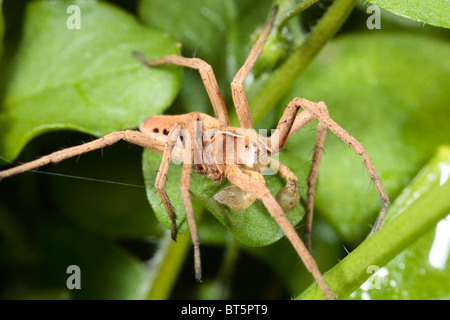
point(209, 146)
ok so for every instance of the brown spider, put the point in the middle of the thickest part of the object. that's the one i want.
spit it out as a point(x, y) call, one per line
point(211, 147)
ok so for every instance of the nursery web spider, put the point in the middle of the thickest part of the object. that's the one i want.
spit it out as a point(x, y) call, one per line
point(211, 147)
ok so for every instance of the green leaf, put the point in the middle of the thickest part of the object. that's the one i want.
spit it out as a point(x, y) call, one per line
point(253, 226)
point(374, 88)
point(417, 210)
point(434, 12)
point(84, 79)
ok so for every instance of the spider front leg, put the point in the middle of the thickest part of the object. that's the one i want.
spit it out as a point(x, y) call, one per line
point(261, 192)
point(319, 111)
point(289, 197)
point(312, 177)
point(192, 150)
point(190, 133)
point(131, 136)
point(161, 177)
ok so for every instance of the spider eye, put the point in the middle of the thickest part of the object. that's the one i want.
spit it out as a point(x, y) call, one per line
point(156, 130)
point(165, 132)
point(246, 146)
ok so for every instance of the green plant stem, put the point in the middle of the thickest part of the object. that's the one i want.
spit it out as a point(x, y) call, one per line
point(167, 263)
point(222, 282)
point(280, 80)
point(385, 244)
point(169, 258)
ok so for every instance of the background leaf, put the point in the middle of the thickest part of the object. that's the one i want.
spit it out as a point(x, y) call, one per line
point(434, 12)
point(88, 79)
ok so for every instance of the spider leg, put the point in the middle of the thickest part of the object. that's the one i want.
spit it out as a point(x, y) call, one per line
point(319, 111)
point(193, 146)
point(289, 123)
point(208, 78)
point(161, 177)
point(131, 136)
point(260, 191)
point(191, 131)
point(237, 85)
point(312, 178)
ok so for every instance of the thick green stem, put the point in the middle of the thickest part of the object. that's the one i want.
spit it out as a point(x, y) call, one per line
point(222, 283)
point(280, 81)
point(168, 261)
point(167, 264)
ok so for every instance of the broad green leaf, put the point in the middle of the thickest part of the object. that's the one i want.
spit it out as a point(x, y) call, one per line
point(253, 226)
point(434, 12)
point(389, 94)
point(415, 273)
point(84, 79)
